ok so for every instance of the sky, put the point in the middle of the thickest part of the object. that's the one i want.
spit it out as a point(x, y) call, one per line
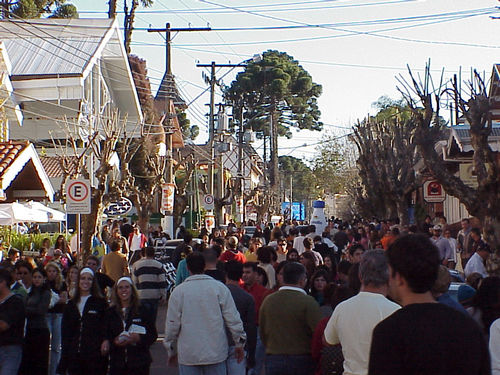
point(354, 48)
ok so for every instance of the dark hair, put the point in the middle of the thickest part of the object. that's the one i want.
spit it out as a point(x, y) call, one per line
point(308, 243)
point(416, 259)
point(252, 265)
point(293, 273)
point(42, 287)
point(234, 270)
point(344, 266)
point(6, 275)
point(188, 237)
point(217, 248)
point(116, 245)
point(262, 272)
point(24, 264)
point(210, 255)
point(318, 273)
point(149, 251)
point(476, 231)
point(340, 293)
point(353, 278)
point(373, 268)
point(195, 263)
point(94, 258)
point(487, 299)
point(220, 241)
point(13, 251)
point(63, 246)
point(354, 247)
point(291, 251)
point(265, 254)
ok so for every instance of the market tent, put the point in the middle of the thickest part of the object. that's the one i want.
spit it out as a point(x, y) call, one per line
point(53, 215)
point(13, 213)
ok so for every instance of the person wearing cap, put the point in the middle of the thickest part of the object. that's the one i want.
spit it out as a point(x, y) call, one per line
point(465, 296)
point(440, 290)
point(83, 330)
point(444, 247)
point(476, 262)
point(130, 331)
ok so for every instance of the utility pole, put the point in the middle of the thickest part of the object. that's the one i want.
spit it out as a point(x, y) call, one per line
point(211, 135)
point(168, 126)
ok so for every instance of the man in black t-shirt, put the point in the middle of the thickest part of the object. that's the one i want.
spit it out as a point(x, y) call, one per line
point(12, 314)
point(424, 337)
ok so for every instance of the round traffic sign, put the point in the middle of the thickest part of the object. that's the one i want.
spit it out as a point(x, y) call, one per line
point(78, 191)
point(208, 199)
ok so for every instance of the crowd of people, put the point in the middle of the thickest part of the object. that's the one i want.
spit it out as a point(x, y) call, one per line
point(356, 298)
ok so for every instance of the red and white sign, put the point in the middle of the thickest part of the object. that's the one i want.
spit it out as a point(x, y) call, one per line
point(78, 196)
point(434, 192)
point(167, 198)
point(209, 221)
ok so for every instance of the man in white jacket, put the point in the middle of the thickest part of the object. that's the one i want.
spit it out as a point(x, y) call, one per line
point(199, 310)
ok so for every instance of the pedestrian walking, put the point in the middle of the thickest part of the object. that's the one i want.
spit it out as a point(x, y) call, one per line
point(287, 320)
point(130, 331)
point(37, 337)
point(150, 280)
point(353, 320)
point(398, 347)
point(12, 315)
point(200, 339)
point(83, 330)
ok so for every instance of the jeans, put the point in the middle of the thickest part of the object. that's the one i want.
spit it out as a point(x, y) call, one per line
point(10, 359)
point(215, 369)
point(233, 367)
point(260, 355)
point(282, 364)
point(152, 306)
point(54, 323)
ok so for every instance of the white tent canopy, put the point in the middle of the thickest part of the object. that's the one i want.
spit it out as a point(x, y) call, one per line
point(13, 213)
point(52, 214)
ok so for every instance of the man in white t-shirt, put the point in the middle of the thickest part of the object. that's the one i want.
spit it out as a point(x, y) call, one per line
point(477, 260)
point(353, 321)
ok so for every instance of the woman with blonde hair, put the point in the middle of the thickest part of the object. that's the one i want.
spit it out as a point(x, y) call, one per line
point(72, 281)
point(131, 330)
point(54, 317)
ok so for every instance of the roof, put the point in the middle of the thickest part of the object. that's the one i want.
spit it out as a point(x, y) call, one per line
point(168, 90)
point(52, 46)
point(13, 157)
point(460, 135)
point(52, 165)
point(7, 100)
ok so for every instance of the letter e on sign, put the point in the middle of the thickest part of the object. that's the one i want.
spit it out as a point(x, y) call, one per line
point(78, 195)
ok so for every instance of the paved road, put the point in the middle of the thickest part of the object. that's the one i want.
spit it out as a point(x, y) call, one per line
point(159, 365)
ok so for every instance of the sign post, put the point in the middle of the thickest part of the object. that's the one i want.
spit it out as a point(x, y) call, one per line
point(78, 202)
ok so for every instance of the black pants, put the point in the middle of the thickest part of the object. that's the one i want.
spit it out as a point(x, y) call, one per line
point(35, 352)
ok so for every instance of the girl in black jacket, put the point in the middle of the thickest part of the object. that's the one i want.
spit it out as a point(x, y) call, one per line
point(36, 341)
point(131, 331)
point(83, 330)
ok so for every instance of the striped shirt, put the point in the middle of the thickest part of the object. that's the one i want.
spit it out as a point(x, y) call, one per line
point(149, 278)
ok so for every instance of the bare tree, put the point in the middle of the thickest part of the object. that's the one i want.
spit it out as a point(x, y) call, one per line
point(474, 106)
point(386, 157)
point(100, 150)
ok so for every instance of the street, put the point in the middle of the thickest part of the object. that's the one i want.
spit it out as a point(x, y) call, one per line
point(159, 365)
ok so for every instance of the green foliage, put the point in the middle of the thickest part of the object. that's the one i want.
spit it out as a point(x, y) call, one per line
point(38, 8)
point(65, 11)
point(276, 84)
point(330, 165)
point(188, 131)
point(303, 179)
point(24, 242)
